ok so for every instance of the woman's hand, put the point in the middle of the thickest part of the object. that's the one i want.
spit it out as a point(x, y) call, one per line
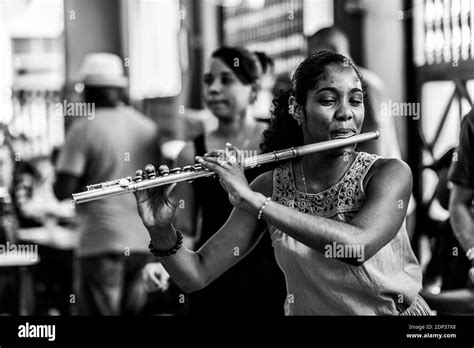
point(228, 165)
point(471, 275)
point(155, 277)
point(156, 206)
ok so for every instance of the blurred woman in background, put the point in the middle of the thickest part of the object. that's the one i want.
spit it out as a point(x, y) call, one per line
point(255, 285)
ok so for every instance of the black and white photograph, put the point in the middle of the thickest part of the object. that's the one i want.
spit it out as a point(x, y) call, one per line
point(236, 171)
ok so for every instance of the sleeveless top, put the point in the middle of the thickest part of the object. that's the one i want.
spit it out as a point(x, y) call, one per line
point(386, 284)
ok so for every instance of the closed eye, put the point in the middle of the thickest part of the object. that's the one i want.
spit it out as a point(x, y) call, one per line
point(327, 101)
point(356, 102)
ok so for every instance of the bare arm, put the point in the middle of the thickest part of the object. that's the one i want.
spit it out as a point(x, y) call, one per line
point(194, 270)
point(461, 216)
point(378, 221)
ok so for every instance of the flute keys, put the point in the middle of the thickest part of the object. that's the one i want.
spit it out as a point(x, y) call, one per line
point(150, 171)
point(94, 187)
point(189, 169)
point(176, 170)
point(123, 182)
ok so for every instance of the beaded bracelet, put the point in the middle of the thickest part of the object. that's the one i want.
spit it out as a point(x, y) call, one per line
point(173, 250)
point(263, 207)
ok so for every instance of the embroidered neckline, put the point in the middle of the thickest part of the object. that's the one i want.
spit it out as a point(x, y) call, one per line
point(344, 196)
point(293, 183)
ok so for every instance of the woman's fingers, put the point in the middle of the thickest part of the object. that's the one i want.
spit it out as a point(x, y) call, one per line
point(161, 278)
point(235, 155)
point(151, 173)
point(141, 195)
point(230, 155)
point(213, 164)
point(154, 278)
point(214, 160)
point(216, 157)
point(163, 169)
point(149, 279)
point(215, 153)
point(471, 274)
point(208, 161)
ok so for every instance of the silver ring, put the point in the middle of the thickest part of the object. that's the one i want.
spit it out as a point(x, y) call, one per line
point(223, 163)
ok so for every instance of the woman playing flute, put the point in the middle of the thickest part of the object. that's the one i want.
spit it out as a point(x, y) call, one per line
point(336, 218)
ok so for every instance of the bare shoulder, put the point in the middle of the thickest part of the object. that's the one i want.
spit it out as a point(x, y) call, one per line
point(263, 183)
point(389, 172)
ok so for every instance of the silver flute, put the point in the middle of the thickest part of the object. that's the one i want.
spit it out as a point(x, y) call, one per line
point(190, 173)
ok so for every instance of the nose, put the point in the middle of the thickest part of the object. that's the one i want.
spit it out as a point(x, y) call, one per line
point(344, 112)
point(215, 86)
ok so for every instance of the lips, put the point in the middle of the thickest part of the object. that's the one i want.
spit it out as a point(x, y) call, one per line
point(343, 133)
point(217, 103)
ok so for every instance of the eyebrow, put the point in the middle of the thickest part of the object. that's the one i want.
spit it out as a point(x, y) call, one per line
point(224, 73)
point(334, 90)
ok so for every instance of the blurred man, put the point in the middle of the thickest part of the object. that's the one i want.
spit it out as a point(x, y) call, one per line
point(110, 141)
point(462, 193)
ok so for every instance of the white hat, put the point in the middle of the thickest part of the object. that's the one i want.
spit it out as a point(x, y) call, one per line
point(103, 69)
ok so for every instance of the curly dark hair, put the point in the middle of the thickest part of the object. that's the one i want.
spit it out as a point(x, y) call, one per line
point(284, 131)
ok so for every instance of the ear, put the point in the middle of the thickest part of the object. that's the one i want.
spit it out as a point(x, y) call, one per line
point(295, 110)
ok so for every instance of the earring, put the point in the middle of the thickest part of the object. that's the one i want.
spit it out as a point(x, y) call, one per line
point(299, 123)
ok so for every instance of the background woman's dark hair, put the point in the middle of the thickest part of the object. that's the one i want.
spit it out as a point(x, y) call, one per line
point(243, 63)
point(266, 62)
point(284, 131)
